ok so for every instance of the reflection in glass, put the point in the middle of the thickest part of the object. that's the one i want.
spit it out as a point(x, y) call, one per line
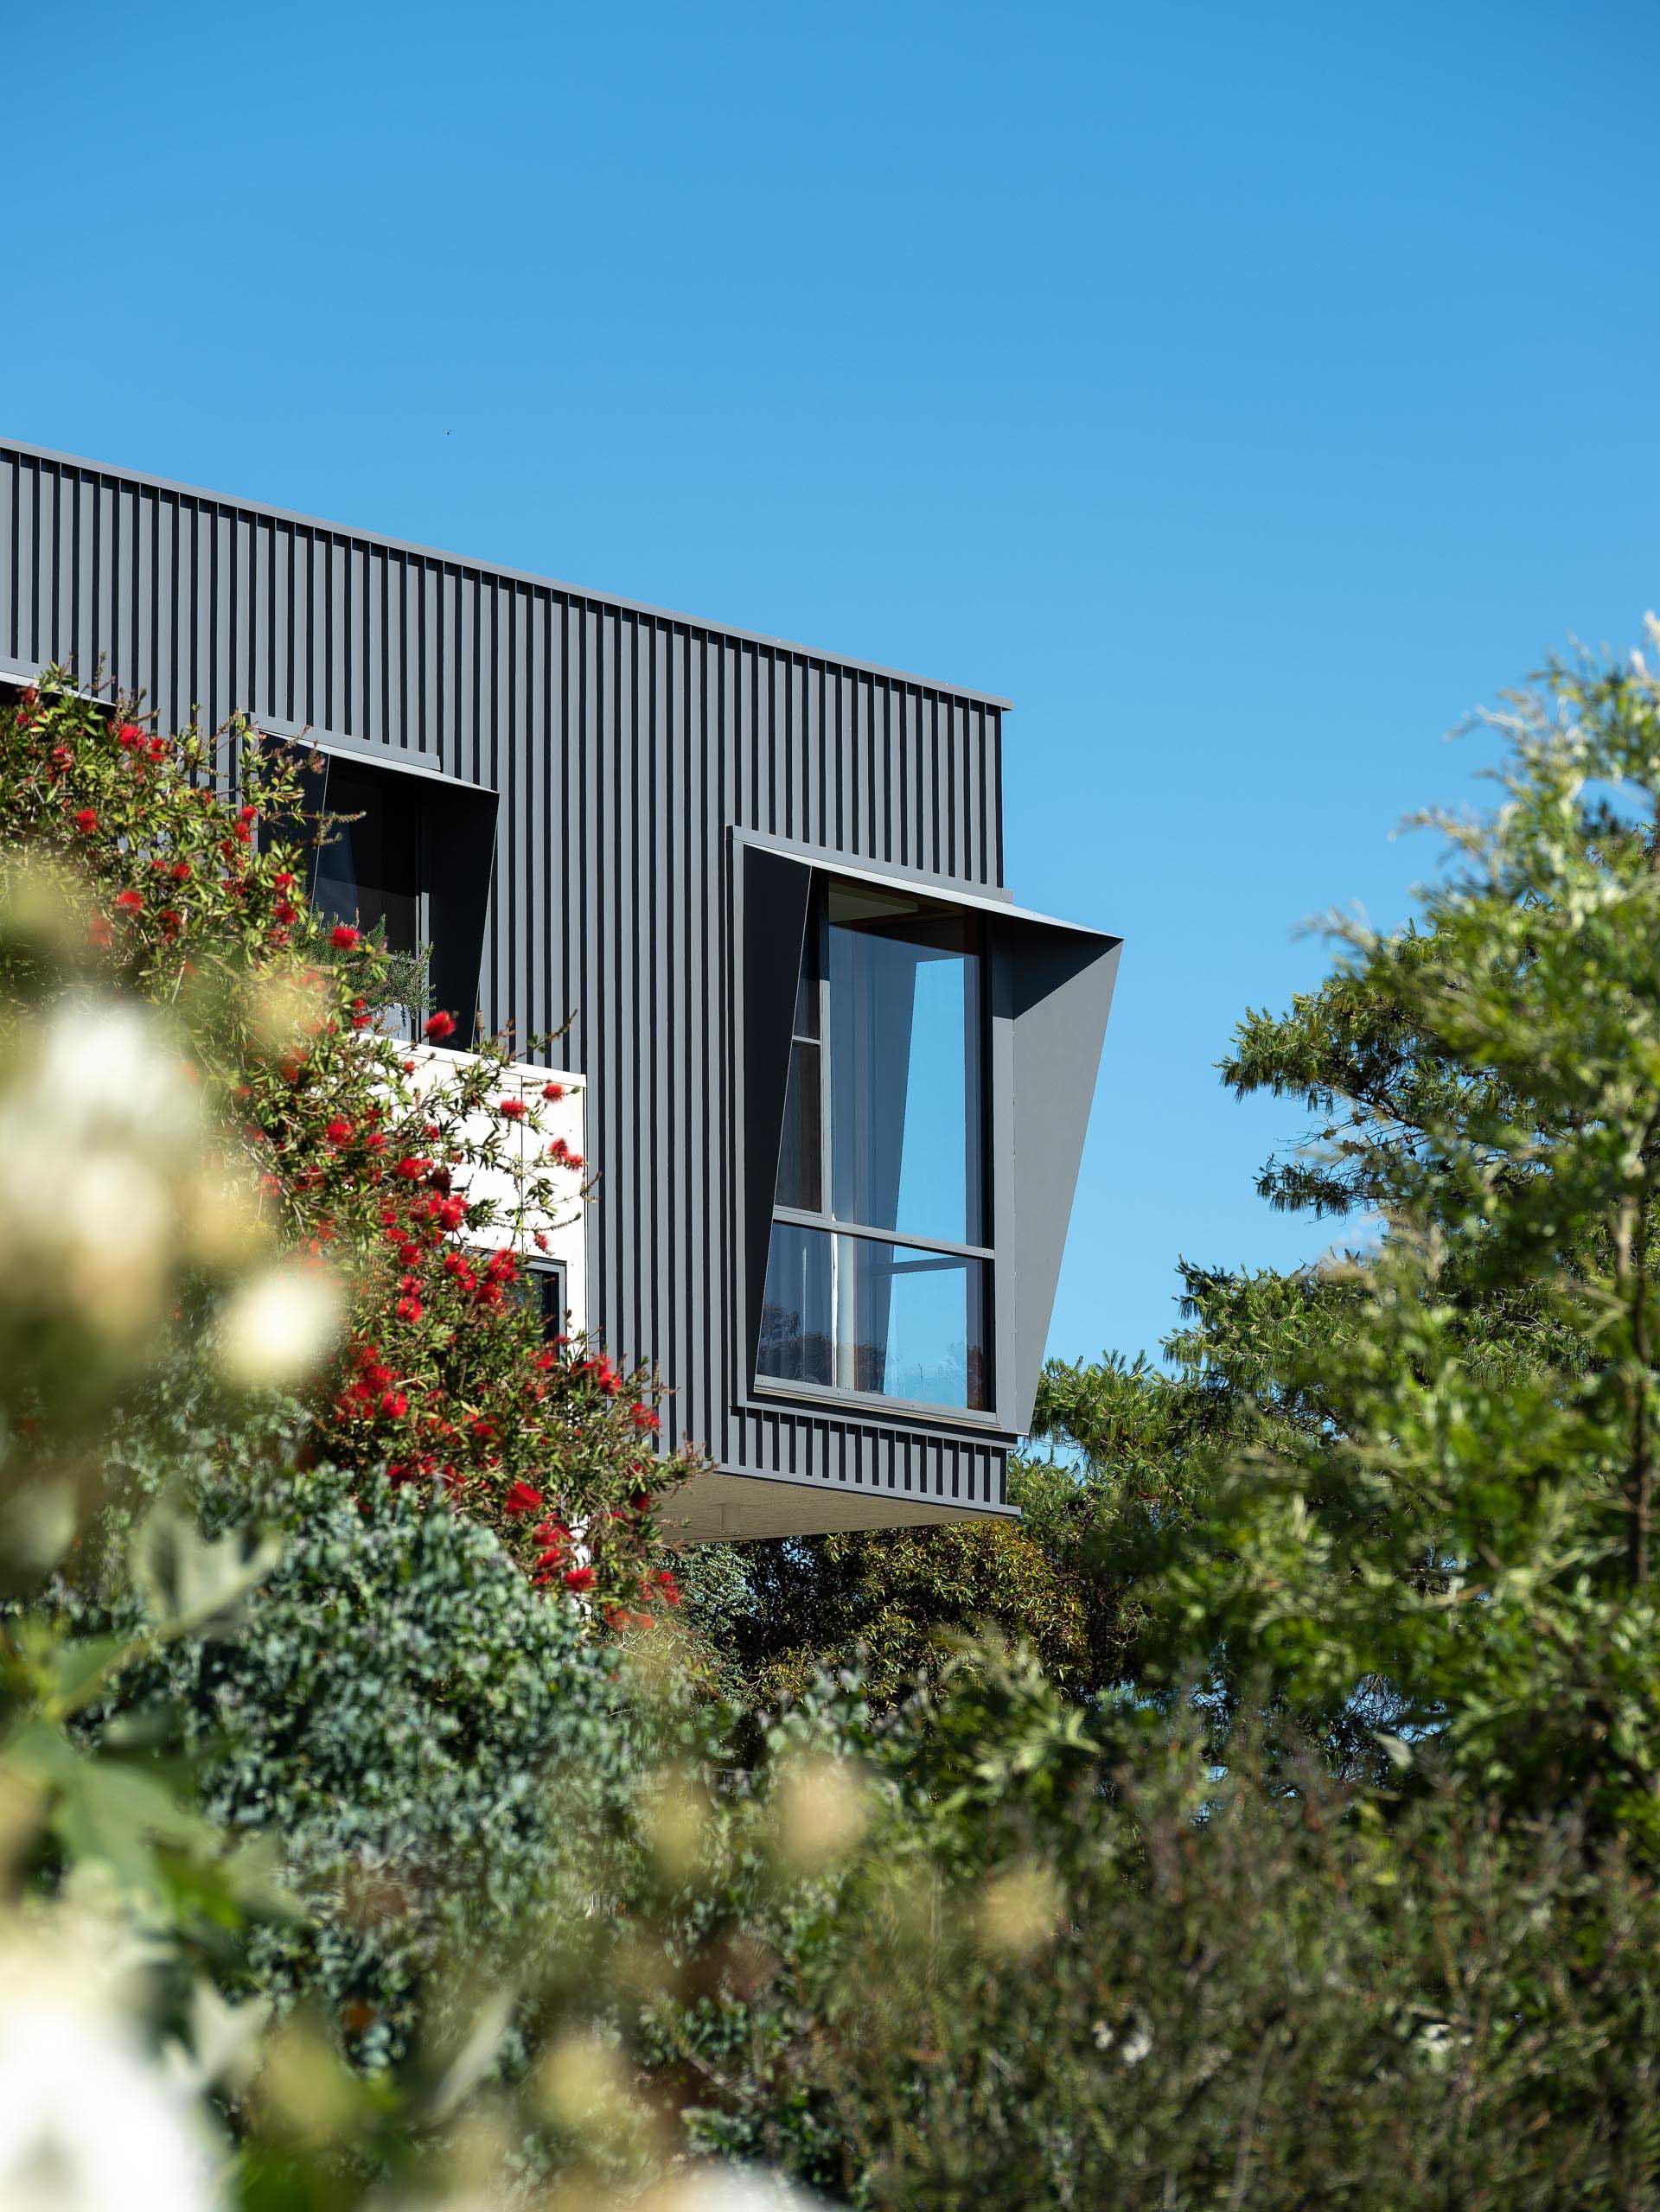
point(905, 1037)
point(797, 1334)
point(801, 1151)
point(852, 1313)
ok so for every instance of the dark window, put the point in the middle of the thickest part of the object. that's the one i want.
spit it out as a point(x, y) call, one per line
point(885, 1289)
point(541, 1284)
point(369, 865)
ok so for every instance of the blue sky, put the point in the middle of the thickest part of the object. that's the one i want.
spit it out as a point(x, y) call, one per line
point(1247, 392)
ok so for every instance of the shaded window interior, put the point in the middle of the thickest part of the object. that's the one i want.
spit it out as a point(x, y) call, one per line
point(369, 867)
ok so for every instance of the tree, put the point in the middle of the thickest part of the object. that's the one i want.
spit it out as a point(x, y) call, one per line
point(1451, 1537)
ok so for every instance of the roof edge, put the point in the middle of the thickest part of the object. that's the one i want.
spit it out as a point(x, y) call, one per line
point(967, 691)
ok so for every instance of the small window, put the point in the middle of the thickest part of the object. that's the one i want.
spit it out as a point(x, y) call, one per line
point(544, 1286)
point(878, 1275)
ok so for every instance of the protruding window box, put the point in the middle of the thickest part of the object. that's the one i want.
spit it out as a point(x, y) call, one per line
point(916, 1065)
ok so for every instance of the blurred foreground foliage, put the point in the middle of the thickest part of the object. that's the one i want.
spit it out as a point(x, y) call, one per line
point(1267, 1817)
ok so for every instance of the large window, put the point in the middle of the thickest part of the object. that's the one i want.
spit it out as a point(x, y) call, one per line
point(879, 1274)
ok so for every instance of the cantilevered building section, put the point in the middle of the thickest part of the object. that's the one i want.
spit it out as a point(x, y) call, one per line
point(833, 1081)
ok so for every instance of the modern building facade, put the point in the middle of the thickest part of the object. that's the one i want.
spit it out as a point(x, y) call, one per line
point(835, 1082)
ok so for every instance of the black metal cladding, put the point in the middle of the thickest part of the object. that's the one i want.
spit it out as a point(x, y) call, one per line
point(623, 743)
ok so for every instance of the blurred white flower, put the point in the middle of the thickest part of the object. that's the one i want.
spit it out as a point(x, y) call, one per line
point(87, 2123)
point(275, 1327)
point(101, 1132)
point(733, 2189)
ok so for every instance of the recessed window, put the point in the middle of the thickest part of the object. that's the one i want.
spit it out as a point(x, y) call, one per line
point(369, 865)
point(542, 1286)
point(878, 1275)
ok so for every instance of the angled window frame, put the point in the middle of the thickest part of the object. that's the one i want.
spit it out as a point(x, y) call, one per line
point(1048, 988)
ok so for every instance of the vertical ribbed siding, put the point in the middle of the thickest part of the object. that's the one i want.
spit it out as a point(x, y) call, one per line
point(623, 744)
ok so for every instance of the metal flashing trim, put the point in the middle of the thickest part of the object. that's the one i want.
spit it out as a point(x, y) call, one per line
point(819, 655)
point(949, 890)
point(392, 758)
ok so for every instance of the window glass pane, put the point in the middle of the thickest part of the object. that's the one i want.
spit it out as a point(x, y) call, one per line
point(797, 1341)
point(905, 1023)
point(807, 996)
point(369, 870)
point(854, 1314)
point(542, 1289)
point(801, 1158)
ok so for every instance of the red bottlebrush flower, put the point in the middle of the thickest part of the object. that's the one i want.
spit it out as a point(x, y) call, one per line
point(522, 1499)
point(157, 748)
point(129, 901)
point(172, 920)
point(643, 1417)
point(375, 1141)
point(128, 736)
point(413, 1168)
point(483, 1429)
point(393, 1405)
point(667, 1586)
point(87, 821)
point(285, 912)
point(338, 1130)
point(560, 1153)
point(451, 1213)
point(513, 1109)
point(284, 879)
point(409, 1309)
point(439, 1026)
point(100, 932)
point(553, 1092)
point(343, 937)
point(180, 872)
point(247, 815)
point(579, 1577)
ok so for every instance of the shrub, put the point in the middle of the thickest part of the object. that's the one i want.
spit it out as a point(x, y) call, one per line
point(421, 1734)
point(443, 1377)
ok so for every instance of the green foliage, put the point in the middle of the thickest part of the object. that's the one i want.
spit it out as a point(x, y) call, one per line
point(422, 1734)
point(913, 1869)
point(894, 1600)
point(1457, 1536)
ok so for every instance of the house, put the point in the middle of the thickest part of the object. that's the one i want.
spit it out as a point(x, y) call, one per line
point(833, 1081)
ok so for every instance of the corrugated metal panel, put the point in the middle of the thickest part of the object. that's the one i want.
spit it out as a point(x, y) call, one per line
point(623, 743)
